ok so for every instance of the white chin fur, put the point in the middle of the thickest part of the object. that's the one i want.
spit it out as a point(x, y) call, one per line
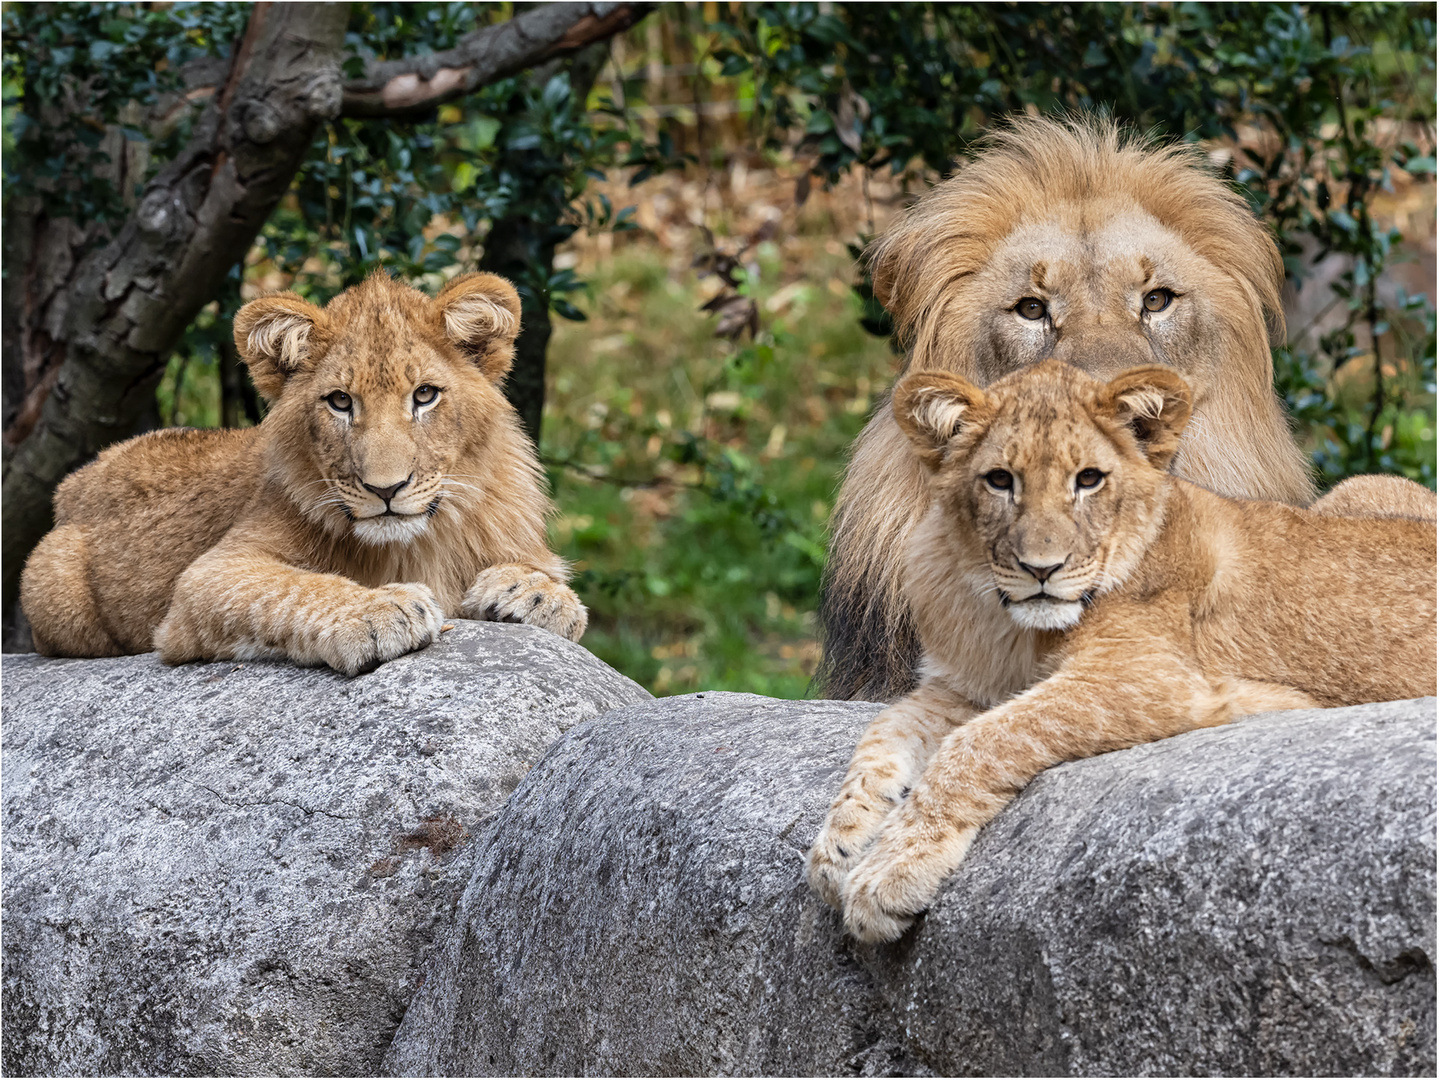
point(1046, 614)
point(391, 530)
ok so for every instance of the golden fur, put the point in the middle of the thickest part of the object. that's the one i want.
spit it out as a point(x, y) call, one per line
point(388, 486)
point(1073, 597)
point(1089, 222)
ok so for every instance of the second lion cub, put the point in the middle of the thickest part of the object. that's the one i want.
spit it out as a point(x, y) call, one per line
point(1065, 582)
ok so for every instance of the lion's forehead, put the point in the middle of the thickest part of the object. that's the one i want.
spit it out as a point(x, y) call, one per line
point(1040, 437)
point(383, 366)
point(1090, 243)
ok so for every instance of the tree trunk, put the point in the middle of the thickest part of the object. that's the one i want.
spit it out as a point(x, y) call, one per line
point(522, 248)
point(89, 337)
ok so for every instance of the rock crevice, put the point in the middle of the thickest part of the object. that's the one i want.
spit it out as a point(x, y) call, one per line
point(639, 907)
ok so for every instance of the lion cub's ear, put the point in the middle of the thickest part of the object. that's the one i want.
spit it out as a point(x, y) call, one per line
point(936, 408)
point(481, 314)
point(272, 335)
point(1154, 402)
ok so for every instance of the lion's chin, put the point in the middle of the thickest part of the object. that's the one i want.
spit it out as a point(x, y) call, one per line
point(1046, 614)
point(391, 529)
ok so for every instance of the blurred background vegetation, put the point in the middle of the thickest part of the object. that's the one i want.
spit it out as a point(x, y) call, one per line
point(689, 198)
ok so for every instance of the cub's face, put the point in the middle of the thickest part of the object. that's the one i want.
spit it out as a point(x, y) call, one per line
point(385, 427)
point(380, 399)
point(1052, 478)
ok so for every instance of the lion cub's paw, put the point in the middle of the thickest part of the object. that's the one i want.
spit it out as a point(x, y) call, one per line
point(380, 625)
point(519, 594)
point(898, 878)
point(851, 824)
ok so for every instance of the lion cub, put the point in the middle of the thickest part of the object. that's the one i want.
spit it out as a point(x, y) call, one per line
point(389, 485)
point(1075, 598)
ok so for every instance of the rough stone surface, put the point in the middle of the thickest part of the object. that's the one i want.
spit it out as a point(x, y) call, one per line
point(237, 868)
point(1252, 899)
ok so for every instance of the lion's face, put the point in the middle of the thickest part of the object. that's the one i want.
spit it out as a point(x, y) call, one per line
point(1054, 478)
point(379, 400)
point(1103, 288)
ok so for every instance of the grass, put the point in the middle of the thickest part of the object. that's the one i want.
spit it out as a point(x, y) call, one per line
point(696, 476)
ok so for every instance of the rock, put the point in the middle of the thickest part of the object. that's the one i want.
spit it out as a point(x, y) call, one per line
point(1250, 899)
point(237, 868)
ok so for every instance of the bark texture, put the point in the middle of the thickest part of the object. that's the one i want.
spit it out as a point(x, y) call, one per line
point(415, 85)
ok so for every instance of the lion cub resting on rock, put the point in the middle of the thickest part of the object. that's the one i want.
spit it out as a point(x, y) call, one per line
point(389, 485)
point(1090, 601)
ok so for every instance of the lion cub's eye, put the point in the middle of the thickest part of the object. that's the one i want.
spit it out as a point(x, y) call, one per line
point(426, 394)
point(1158, 299)
point(339, 401)
point(999, 479)
point(1031, 308)
point(1088, 478)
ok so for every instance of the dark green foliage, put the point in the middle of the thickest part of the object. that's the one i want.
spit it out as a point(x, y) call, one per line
point(72, 70)
point(881, 85)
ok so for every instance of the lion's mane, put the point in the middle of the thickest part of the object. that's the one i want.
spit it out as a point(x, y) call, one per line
point(930, 272)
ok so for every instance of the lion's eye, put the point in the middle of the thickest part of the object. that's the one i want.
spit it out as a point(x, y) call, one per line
point(339, 401)
point(1088, 478)
point(1158, 299)
point(1031, 308)
point(999, 479)
point(426, 394)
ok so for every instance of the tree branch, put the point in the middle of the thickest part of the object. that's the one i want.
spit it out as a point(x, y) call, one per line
point(418, 84)
point(117, 314)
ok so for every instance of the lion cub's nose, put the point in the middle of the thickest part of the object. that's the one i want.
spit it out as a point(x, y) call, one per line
point(1039, 573)
point(388, 493)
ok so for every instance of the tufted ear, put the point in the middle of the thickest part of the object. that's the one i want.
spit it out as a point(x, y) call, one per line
point(936, 408)
point(1154, 403)
point(272, 335)
point(481, 315)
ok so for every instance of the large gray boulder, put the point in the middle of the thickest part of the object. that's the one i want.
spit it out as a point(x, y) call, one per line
point(237, 868)
point(1251, 899)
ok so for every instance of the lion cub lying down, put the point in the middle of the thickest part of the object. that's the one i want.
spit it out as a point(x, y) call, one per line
point(389, 485)
point(1090, 601)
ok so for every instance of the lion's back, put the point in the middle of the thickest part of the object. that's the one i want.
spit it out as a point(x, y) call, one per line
point(143, 511)
point(206, 470)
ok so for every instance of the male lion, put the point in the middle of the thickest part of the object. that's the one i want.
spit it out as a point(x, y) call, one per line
point(1065, 240)
point(389, 485)
point(1065, 582)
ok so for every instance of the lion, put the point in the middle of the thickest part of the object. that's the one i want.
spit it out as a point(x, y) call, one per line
point(1072, 240)
point(389, 485)
point(1073, 597)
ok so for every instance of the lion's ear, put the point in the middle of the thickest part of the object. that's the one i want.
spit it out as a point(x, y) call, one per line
point(272, 335)
point(481, 315)
point(934, 408)
point(1154, 402)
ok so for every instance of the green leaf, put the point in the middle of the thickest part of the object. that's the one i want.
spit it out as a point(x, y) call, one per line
point(556, 93)
point(463, 177)
point(567, 310)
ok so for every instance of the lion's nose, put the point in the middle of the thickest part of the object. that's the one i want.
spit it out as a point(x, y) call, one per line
point(1041, 573)
point(388, 493)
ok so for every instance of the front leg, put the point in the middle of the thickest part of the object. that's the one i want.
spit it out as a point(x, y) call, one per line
point(890, 756)
point(517, 593)
point(1081, 710)
point(238, 604)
